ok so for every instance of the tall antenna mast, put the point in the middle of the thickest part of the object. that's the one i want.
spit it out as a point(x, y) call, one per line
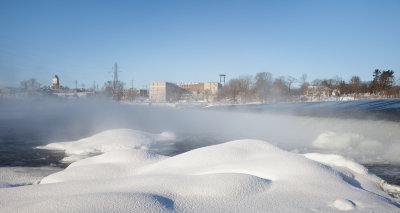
point(117, 87)
point(115, 82)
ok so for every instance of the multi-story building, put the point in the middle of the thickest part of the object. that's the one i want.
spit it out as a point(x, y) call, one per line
point(161, 91)
point(207, 91)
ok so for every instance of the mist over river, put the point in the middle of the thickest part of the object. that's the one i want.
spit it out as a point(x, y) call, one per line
point(364, 131)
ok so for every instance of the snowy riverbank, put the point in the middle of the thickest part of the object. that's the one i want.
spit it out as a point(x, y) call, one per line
point(236, 176)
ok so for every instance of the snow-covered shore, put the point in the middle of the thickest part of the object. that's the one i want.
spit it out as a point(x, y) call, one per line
point(236, 176)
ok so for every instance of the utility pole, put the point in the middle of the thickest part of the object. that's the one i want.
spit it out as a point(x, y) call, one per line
point(117, 86)
point(132, 84)
point(76, 84)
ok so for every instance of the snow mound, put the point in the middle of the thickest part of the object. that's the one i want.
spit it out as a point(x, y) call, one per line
point(237, 176)
point(110, 140)
point(344, 205)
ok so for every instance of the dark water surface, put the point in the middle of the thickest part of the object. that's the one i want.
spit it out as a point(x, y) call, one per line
point(382, 109)
point(388, 172)
point(25, 155)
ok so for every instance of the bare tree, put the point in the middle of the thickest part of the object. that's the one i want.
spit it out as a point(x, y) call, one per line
point(280, 89)
point(263, 85)
point(233, 89)
point(245, 84)
point(355, 84)
point(30, 85)
point(24, 85)
point(207, 95)
point(303, 84)
point(303, 79)
point(289, 82)
point(224, 92)
point(108, 89)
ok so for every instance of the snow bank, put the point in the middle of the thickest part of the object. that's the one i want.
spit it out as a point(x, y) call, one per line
point(115, 139)
point(237, 176)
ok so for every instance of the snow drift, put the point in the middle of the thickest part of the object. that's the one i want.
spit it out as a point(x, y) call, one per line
point(116, 139)
point(237, 176)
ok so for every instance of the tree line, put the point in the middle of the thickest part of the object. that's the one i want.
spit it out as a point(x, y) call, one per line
point(263, 87)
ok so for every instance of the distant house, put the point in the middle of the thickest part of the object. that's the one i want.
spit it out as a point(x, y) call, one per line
point(318, 91)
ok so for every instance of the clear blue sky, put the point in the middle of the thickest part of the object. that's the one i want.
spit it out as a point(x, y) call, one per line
point(188, 41)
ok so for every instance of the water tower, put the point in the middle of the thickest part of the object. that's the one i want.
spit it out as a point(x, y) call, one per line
point(222, 79)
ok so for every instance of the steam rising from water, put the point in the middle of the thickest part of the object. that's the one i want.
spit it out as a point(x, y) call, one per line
point(46, 121)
